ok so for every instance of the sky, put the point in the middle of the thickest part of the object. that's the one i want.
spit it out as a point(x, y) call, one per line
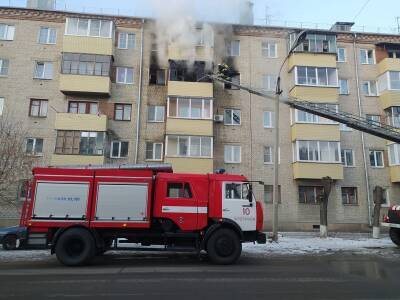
point(376, 13)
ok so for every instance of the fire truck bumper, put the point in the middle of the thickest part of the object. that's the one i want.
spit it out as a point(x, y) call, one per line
point(261, 238)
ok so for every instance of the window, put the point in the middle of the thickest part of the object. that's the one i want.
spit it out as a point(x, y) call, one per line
point(369, 88)
point(394, 53)
point(47, 35)
point(349, 196)
point(316, 76)
point(155, 113)
point(179, 190)
point(376, 159)
point(34, 146)
point(157, 76)
point(343, 87)
point(79, 143)
point(348, 158)
point(1, 106)
point(86, 64)
point(269, 49)
point(126, 40)
point(189, 146)
point(4, 64)
point(319, 43)
point(341, 55)
point(67, 142)
point(310, 194)
point(91, 143)
point(189, 108)
point(269, 82)
point(269, 194)
point(344, 127)
point(89, 27)
point(233, 48)
point(119, 149)
point(268, 119)
point(394, 154)
point(232, 154)
point(75, 107)
point(236, 190)
point(124, 75)
point(318, 151)
point(38, 108)
point(268, 155)
point(43, 70)
point(7, 32)
point(122, 112)
point(235, 79)
point(393, 116)
point(374, 119)
point(386, 198)
point(394, 78)
point(367, 57)
point(154, 151)
point(306, 117)
point(232, 117)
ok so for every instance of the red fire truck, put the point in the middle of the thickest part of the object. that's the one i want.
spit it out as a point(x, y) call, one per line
point(80, 211)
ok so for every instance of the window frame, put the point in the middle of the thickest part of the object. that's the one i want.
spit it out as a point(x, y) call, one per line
point(266, 49)
point(126, 47)
point(48, 35)
point(111, 29)
point(375, 152)
point(348, 203)
point(271, 118)
point(271, 155)
point(154, 145)
point(347, 92)
point(2, 104)
point(34, 145)
point(123, 105)
point(233, 147)
point(189, 146)
point(87, 107)
point(156, 109)
point(368, 82)
point(39, 115)
point(389, 79)
point(271, 81)
point(46, 65)
point(316, 189)
point(311, 117)
point(230, 52)
point(125, 82)
point(9, 34)
point(344, 158)
point(297, 153)
point(119, 149)
point(190, 99)
point(2, 67)
point(233, 111)
point(364, 54)
point(317, 77)
point(394, 154)
point(344, 55)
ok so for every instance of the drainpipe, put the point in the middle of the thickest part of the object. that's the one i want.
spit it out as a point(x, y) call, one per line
point(139, 101)
point(362, 133)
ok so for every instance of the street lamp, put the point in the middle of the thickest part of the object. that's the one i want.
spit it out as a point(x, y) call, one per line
point(276, 196)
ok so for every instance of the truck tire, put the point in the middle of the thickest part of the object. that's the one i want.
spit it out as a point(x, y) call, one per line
point(75, 247)
point(10, 242)
point(394, 234)
point(224, 247)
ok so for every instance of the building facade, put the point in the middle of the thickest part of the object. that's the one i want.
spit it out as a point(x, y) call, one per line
point(95, 89)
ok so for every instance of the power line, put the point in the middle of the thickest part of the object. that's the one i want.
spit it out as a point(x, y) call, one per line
point(362, 9)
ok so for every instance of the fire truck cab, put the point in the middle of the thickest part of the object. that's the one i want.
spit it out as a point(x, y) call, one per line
point(79, 212)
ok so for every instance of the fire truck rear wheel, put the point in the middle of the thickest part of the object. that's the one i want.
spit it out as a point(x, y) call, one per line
point(224, 247)
point(75, 247)
point(394, 234)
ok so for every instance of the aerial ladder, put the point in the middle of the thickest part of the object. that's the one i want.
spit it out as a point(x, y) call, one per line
point(350, 120)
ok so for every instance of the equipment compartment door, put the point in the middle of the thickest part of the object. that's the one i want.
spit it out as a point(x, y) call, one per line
point(237, 207)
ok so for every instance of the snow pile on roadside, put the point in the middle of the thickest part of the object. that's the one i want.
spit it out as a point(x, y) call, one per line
point(24, 255)
point(300, 245)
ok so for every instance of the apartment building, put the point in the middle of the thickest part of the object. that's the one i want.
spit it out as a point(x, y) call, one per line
point(95, 89)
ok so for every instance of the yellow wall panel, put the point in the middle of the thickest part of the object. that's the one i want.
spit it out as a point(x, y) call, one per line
point(317, 170)
point(389, 64)
point(395, 173)
point(60, 160)
point(312, 60)
point(190, 127)
point(84, 122)
point(85, 84)
point(88, 45)
point(190, 89)
point(315, 94)
point(191, 165)
point(390, 98)
point(315, 132)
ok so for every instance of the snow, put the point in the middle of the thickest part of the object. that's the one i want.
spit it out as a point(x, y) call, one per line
point(289, 244)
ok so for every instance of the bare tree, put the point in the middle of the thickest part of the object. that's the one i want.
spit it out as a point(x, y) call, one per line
point(327, 183)
point(15, 164)
point(378, 199)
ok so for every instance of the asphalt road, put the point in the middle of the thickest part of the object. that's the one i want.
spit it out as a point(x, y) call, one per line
point(162, 276)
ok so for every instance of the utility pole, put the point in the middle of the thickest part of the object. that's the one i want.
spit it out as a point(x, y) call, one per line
point(398, 25)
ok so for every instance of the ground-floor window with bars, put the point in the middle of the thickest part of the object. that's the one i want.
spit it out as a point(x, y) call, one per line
point(80, 142)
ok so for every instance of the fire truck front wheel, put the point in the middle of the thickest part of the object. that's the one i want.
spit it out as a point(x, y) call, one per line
point(224, 247)
point(75, 247)
point(394, 234)
point(10, 242)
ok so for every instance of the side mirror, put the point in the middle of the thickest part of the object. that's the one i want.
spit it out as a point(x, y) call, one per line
point(250, 194)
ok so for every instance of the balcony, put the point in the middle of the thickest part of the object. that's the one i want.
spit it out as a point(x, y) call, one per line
point(312, 60)
point(202, 53)
point(57, 160)
point(82, 84)
point(189, 127)
point(317, 132)
point(191, 165)
point(315, 94)
point(389, 98)
point(81, 122)
point(389, 64)
point(395, 173)
point(307, 170)
point(190, 89)
point(88, 45)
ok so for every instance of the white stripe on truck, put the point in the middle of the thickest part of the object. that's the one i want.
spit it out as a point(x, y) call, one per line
point(184, 209)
